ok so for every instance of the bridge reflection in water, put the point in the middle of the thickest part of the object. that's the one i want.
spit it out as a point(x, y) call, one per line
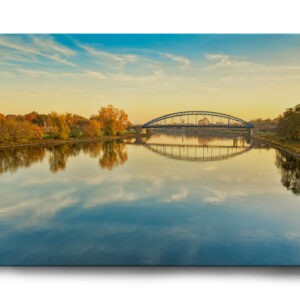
point(197, 152)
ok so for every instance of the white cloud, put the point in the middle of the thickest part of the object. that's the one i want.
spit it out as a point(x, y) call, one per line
point(6, 64)
point(49, 43)
point(127, 77)
point(182, 60)
point(220, 196)
point(35, 73)
point(224, 60)
point(45, 47)
point(92, 74)
point(38, 208)
point(180, 195)
point(40, 73)
point(121, 58)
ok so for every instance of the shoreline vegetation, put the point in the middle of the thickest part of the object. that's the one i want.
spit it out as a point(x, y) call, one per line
point(53, 128)
point(54, 142)
point(276, 141)
point(282, 133)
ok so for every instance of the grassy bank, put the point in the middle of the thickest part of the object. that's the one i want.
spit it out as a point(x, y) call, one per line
point(272, 139)
point(47, 142)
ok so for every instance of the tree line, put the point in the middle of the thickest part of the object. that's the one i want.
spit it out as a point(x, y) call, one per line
point(286, 125)
point(34, 126)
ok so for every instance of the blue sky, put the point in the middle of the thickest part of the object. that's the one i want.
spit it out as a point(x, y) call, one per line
point(148, 75)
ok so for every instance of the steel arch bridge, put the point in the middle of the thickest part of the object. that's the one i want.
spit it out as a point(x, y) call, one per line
point(199, 119)
point(197, 152)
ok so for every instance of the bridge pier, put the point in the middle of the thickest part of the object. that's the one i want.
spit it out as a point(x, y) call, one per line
point(138, 129)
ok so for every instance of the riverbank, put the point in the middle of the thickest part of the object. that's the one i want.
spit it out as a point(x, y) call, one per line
point(277, 142)
point(54, 142)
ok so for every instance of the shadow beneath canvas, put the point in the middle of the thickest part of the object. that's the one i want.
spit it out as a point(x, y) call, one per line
point(150, 271)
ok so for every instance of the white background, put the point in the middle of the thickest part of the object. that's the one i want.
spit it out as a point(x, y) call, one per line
point(138, 16)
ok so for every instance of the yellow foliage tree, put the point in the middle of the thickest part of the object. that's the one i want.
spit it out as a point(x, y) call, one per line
point(13, 131)
point(113, 120)
point(58, 126)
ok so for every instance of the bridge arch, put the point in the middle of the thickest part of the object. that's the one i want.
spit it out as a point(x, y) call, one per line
point(209, 119)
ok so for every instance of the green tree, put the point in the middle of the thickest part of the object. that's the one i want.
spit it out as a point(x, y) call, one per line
point(289, 123)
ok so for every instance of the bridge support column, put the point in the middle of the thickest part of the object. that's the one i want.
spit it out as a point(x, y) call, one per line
point(138, 129)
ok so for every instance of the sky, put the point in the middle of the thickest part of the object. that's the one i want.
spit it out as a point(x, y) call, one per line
point(247, 76)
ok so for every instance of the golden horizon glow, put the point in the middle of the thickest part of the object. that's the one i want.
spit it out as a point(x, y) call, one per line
point(246, 76)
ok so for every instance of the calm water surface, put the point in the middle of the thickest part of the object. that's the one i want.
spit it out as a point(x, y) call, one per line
point(169, 200)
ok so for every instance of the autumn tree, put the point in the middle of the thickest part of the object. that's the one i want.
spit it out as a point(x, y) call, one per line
point(58, 126)
point(30, 117)
point(92, 128)
point(113, 120)
point(13, 131)
point(2, 118)
point(40, 119)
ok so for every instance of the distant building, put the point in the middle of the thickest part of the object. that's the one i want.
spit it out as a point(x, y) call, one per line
point(204, 122)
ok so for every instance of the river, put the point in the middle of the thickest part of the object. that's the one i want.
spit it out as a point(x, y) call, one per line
point(171, 199)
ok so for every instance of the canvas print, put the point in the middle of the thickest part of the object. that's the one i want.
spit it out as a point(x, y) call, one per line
point(149, 150)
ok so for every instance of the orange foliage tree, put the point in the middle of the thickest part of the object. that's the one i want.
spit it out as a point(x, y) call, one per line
point(113, 120)
point(92, 128)
point(12, 130)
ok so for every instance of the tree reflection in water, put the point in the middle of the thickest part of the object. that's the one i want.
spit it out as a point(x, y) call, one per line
point(289, 167)
point(114, 154)
point(111, 154)
point(13, 159)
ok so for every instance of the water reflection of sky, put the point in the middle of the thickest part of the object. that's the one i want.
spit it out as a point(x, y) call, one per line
point(150, 210)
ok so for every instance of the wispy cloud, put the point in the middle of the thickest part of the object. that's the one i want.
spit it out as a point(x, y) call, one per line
point(47, 43)
point(7, 74)
point(224, 60)
point(92, 74)
point(127, 77)
point(30, 73)
point(75, 75)
point(180, 59)
point(34, 47)
point(182, 194)
point(7, 64)
point(35, 73)
point(121, 59)
point(282, 72)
